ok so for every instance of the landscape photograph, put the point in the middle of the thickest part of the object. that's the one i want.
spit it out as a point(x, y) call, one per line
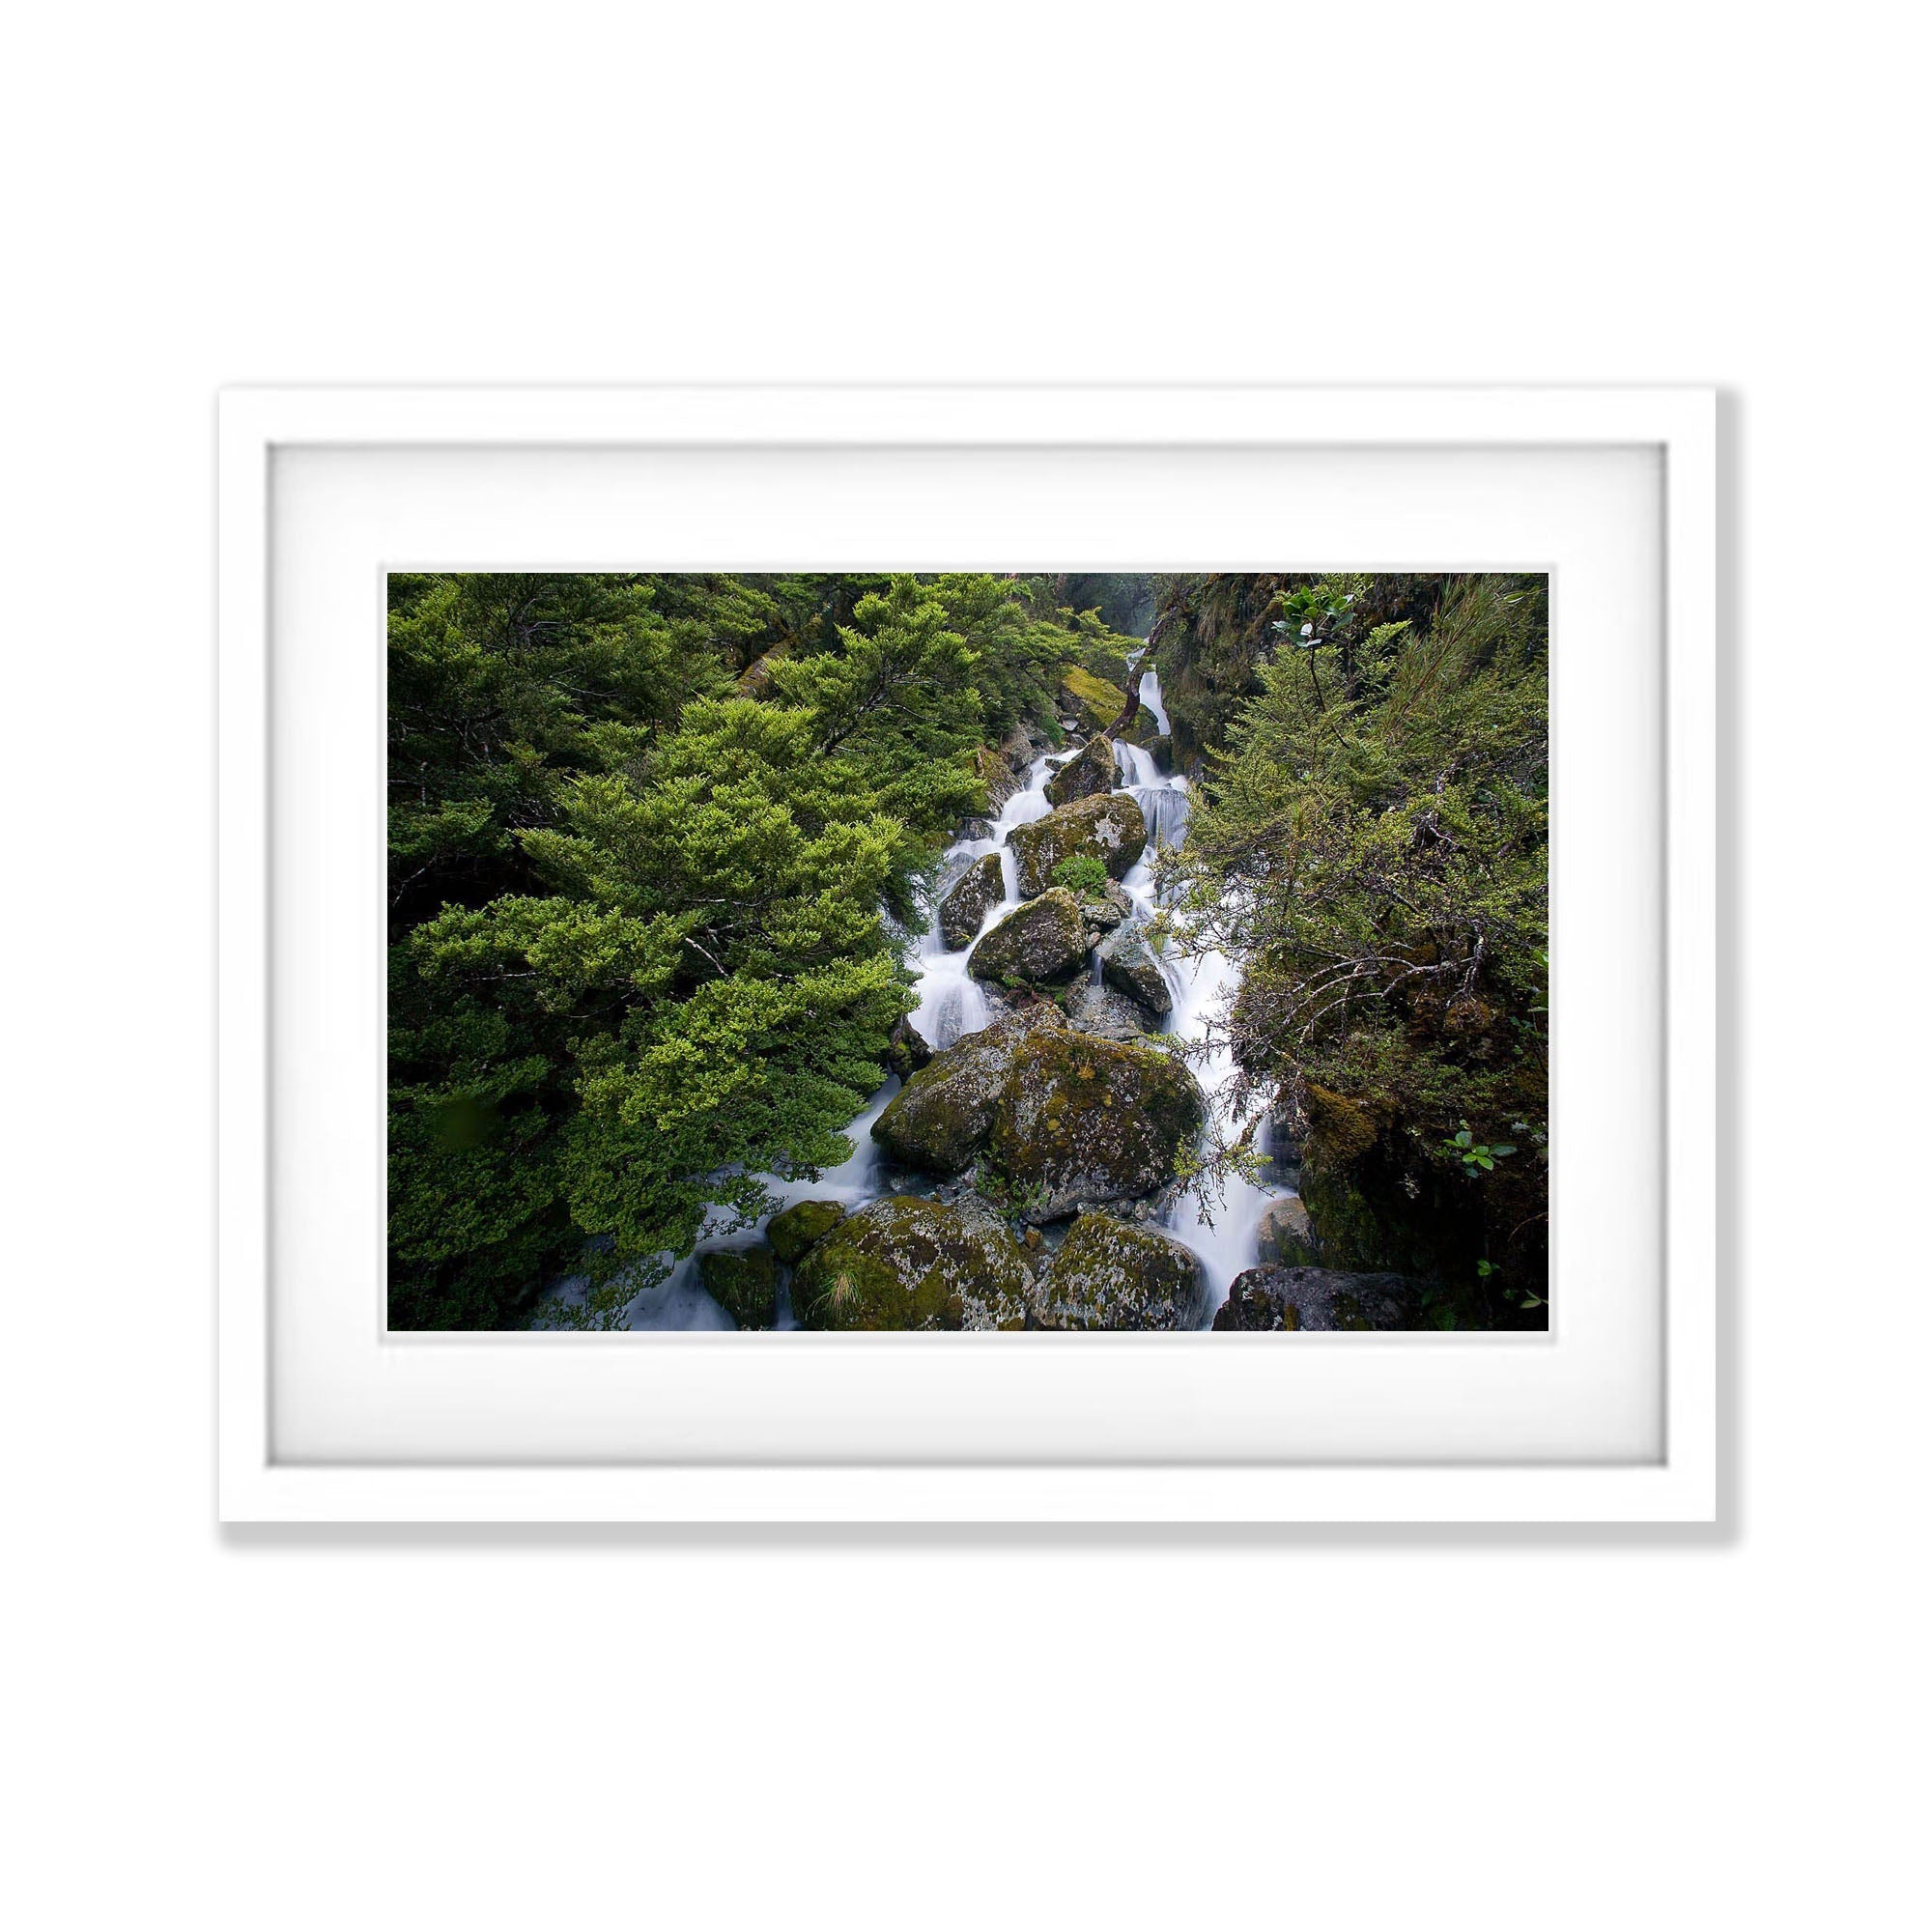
point(968, 952)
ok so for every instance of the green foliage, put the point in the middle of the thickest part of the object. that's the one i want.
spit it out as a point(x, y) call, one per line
point(657, 847)
point(1082, 875)
point(1370, 848)
point(1477, 1157)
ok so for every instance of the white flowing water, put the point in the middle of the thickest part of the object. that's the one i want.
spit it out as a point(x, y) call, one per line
point(951, 1004)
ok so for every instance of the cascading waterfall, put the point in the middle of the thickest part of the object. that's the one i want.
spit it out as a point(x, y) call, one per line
point(951, 1004)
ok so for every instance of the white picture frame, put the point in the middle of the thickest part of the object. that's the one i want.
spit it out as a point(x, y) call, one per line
point(494, 436)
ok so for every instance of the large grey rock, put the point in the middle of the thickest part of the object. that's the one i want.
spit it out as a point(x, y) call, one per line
point(1103, 1010)
point(1272, 1299)
point(1282, 1236)
point(979, 889)
point(1112, 827)
point(1093, 771)
point(906, 1262)
point(1127, 962)
point(939, 1120)
point(996, 775)
point(1103, 911)
point(1083, 1118)
point(1110, 1276)
point(1042, 942)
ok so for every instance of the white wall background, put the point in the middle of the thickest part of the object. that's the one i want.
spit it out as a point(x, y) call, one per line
point(588, 1729)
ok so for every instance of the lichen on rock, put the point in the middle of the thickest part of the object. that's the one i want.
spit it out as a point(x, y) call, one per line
point(1094, 770)
point(941, 1117)
point(1040, 941)
point(1110, 1276)
point(1082, 1118)
point(1103, 1010)
point(1129, 963)
point(1111, 826)
point(978, 890)
point(1273, 1298)
point(998, 777)
point(905, 1263)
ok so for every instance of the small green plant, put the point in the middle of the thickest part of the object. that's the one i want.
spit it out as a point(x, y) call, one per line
point(1525, 1300)
point(1010, 1196)
point(1083, 874)
point(1477, 1156)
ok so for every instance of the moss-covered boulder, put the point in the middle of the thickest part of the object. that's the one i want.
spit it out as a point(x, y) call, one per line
point(744, 1282)
point(907, 1049)
point(998, 777)
point(1090, 700)
point(1110, 1276)
point(794, 1229)
point(938, 1120)
point(1042, 942)
point(1128, 965)
point(1112, 827)
point(1283, 1235)
point(1094, 770)
point(904, 1262)
point(961, 912)
point(1083, 1118)
point(1273, 1298)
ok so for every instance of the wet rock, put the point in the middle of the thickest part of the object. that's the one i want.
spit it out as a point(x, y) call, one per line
point(794, 1229)
point(744, 1282)
point(904, 1262)
point(981, 888)
point(1106, 1013)
point(1103, 912)
point(996, 775)
point(1017, 745)
point(1110, 1276)
point(1111, 827)
point(1127, 962)
point(1042, 942)
point(907, 1049)
point(1282, 1236)
point(940, 1117)
point(1160, 749)
point(1269, 1299)
point(1095, 770)
point(975, 828)
point(1084, 1119)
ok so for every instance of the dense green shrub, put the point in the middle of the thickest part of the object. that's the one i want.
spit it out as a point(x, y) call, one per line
point(657, 846)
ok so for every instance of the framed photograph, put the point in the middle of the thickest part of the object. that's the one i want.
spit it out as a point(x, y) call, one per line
point(968, 954)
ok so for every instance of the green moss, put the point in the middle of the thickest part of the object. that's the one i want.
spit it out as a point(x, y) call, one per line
point(1097, 703)
point(792, 1232)
point(1043, 941)
point(905, 1263)
point(938, 1120)
point(1110, 826)
point(744, 1283)
point(1109, 1275)
point(1085, 1117)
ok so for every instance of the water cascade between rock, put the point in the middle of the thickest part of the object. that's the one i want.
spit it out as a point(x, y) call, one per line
point(953, 1005)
